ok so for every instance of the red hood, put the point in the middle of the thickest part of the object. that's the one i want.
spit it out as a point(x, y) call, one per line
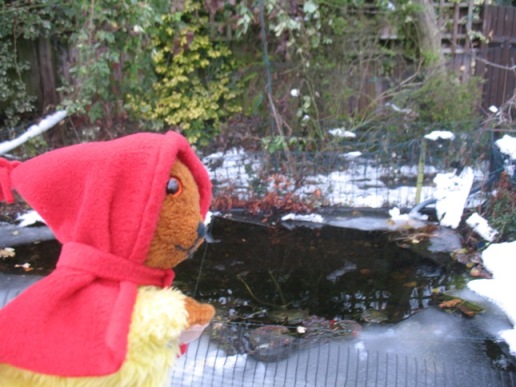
point(102, 200)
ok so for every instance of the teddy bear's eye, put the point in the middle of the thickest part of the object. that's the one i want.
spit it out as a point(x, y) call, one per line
point(174, 186)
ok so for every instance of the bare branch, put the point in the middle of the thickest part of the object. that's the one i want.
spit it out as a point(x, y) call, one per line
point(511, 68)
point(33, 131)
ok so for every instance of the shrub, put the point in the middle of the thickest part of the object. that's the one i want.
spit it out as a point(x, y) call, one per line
point(501, 211)
point(195, 89)
point(443, 99)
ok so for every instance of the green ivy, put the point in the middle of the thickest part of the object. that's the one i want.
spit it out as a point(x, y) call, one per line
point(501, 210)
point(14, 98)
point(19, 20)
point(113, 55)
point(195, 90)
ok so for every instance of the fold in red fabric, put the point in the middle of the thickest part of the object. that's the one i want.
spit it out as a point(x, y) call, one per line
point(102, 200)
point(6, 168)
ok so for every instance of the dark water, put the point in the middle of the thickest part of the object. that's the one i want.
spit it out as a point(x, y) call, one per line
point(257, 272)
point(32, 259)
point(330, 272)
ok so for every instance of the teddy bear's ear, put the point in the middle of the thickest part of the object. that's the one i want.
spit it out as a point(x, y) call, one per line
point(180, 229)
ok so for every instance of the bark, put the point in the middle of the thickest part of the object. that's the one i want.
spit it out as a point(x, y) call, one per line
point(47, 77)
point(429, 34)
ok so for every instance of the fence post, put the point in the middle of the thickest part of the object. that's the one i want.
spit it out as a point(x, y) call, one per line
point(266, 57)
point(420, 171)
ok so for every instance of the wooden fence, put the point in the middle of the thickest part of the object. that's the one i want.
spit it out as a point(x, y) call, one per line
point(461, 27)
point(496, 59)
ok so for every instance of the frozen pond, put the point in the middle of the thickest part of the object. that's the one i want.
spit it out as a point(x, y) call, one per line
point(335, 273)
point(429, 349)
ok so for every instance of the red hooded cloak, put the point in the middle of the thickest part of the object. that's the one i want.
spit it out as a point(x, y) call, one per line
point(102, 201)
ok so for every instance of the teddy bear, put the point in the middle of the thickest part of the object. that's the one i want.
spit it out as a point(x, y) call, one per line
point(126, 211)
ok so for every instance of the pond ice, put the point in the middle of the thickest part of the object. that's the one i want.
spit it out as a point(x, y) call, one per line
point(431, 348)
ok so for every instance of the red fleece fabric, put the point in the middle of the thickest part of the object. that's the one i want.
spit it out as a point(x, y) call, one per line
point(102, 200)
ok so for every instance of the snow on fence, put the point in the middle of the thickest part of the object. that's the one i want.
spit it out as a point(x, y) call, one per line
point(366, 174)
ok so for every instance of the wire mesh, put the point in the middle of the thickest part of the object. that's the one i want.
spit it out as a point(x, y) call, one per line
point(336, 363)
point(373, 170)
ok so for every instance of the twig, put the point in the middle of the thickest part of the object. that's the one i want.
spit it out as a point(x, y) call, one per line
point(509, 68)
point(283, 301)
point(252, 294)
point(33, 131)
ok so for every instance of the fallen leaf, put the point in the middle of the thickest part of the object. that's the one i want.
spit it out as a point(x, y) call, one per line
point(7, 252)
point(468, 312)
point(450, 304)
point(25, 266)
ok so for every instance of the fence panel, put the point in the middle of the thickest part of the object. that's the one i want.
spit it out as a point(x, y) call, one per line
point(497, 58)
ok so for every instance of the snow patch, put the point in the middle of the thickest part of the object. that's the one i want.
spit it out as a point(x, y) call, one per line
point(341, 132)
point(29, 218)
point(500, 260)
point(314, 218)
point(507, 146)
point(482, 227)
point(440, 135)
point(451, 194)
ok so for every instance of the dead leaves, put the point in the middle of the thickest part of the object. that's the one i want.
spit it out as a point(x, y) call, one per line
point(450, 304)
point(408, 237)
point(472, 260)
point(279, 198)
point(26, 267)
point(456, 304)
point(7, 252)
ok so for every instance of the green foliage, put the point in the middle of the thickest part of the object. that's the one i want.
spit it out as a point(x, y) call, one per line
point(18, 20)
point(108, 47)
point(501, 212)
point(274, 144)
point(195, 89)
point(444, 100)
point(331, 52)
point(26, 19)
point(14, 98)
point(162, 63)
point(113, 55)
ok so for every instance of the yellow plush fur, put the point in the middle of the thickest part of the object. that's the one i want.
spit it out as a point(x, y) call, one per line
point(159, 318)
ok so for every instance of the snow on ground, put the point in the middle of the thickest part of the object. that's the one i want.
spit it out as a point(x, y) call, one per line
point(507, 145)
point(440, 135)
point(452, 192)
point(500, 260)
point(29, 218)
point(360, 185)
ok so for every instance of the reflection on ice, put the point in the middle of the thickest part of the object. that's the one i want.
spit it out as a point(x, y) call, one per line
point(431, 348)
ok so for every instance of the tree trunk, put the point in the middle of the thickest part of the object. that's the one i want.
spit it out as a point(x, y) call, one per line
point(429, 35)
point(47, 73)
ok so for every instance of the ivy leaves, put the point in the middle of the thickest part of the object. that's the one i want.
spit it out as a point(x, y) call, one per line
point(195, 88)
